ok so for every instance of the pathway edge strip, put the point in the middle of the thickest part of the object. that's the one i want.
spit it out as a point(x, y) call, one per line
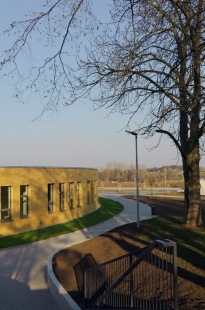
point(61, 297)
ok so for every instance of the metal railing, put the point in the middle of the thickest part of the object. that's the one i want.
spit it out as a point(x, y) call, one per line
point(143, 279)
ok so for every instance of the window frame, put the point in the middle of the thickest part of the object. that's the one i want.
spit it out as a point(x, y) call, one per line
point(92, 190)
point(71, 195)
point(50, 197)
point(62, 196)
point(88, 192)
point(8, 217)
point(27, 201)
point(95, 190)
point(79, 193)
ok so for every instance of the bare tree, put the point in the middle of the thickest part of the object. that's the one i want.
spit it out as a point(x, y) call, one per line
point(148, 60)
point(114, 171)
point(143, 174)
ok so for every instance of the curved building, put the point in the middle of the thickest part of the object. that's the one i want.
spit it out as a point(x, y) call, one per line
point(36, 197)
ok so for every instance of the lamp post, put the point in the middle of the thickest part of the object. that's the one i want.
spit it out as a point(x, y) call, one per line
point(137, 187)
point(165, 177)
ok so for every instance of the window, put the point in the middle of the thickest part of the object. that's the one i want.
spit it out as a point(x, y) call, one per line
point(61, 196)
point(95, 189)
point(23, 201)
point(50, 197)
point(71, 195)
point(88, 192)
point(5, 208)
point(79, 194)
point(92, 191)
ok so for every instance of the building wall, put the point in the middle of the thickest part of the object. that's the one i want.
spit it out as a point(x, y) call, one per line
point(37, 180)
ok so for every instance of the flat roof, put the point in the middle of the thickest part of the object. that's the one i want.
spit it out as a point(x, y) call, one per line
point(52, 167)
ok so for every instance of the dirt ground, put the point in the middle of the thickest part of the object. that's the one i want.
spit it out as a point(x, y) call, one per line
point(67, 264)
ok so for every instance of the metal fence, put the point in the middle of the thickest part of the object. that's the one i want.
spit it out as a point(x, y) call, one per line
point(143, 279)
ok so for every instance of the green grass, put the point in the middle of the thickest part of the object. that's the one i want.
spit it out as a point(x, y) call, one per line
point(165, 193)
point(175, 181)
point(179, 195)
point(190, 243)
point(109, 208)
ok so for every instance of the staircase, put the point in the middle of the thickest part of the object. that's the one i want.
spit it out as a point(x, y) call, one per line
point(145, 279)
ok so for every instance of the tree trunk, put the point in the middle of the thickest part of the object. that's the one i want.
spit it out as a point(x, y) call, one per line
point(190, 159)
point(192, 188)
point(189, 131)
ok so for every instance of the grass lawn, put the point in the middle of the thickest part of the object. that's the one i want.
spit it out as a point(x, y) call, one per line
point(190, 252)
point(190, 240)
point(108, 209)
point(175, 181)
point(167, 193)
point(168, 225)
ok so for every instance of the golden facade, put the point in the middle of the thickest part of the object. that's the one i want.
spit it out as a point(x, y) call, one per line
point(36, 197)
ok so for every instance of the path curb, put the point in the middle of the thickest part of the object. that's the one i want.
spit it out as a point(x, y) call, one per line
point(59, 294)
point(61, 297)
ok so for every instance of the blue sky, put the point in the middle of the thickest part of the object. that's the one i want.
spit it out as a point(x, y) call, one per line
point(74, 136)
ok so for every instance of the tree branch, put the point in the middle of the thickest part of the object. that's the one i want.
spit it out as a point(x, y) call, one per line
point(173, 139)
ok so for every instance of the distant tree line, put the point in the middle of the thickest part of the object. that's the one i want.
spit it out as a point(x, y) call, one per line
point(121, 172)
point(168, 168)
point(117, 172)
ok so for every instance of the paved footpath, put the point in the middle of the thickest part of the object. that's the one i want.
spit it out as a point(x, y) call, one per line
point(23, 284)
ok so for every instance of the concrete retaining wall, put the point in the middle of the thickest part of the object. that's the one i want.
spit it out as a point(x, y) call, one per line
point(61, 297)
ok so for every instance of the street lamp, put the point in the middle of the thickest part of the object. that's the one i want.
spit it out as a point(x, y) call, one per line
point(165, 177)
point(137, 187)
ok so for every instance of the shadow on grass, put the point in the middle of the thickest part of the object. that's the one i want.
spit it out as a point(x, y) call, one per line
point(190, 244)
point(191, 254)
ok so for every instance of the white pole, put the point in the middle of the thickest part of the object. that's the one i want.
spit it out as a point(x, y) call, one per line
point(137, 185)
point(165, 178)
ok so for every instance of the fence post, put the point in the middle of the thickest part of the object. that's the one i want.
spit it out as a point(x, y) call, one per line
point(131, 284)
point(152, 210)
point(163, 265)
point(175, 276)
point(85, 290)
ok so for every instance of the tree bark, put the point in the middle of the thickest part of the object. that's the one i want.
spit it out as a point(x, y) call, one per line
point(192, 188)
point(189, 127)
point(192, 158)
